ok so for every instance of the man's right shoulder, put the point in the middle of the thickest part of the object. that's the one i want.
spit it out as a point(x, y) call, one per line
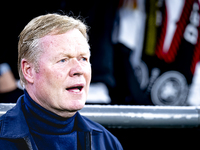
point(1, 120)
point(13, 123)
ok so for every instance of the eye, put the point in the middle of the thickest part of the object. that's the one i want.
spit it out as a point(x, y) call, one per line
point(84, 59)
point(62, 60)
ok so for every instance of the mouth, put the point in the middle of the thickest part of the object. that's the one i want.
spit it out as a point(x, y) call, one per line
point(75, 88)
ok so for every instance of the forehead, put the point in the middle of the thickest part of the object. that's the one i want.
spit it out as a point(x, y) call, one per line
point(71, 41)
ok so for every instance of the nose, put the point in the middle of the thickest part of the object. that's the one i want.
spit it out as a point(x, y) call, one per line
point(76, 68)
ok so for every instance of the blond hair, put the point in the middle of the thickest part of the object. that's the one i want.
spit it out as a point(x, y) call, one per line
point(50, 24)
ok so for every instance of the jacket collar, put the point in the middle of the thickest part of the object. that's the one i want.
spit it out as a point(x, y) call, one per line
point(14, 123)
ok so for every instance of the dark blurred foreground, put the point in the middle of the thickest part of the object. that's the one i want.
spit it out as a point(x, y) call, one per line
point(152, 138)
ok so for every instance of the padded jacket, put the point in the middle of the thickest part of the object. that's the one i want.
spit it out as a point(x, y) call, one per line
point(15, 135)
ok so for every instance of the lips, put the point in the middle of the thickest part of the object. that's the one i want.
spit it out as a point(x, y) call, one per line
point(75, 88)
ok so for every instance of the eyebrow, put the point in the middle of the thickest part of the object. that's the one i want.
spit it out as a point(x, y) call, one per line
point(70, 55)
point(81, 53)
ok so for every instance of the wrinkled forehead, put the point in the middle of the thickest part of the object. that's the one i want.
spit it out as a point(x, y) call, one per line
point(71, 43)
point(70, 38)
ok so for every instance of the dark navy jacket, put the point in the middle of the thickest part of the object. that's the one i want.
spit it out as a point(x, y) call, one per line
point(15, 135)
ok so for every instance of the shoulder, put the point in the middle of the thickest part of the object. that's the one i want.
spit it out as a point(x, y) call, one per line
point(1, 122)
point(103, 135)
point(13, 123)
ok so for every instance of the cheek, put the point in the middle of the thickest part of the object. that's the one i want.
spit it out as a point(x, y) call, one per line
point(88, 78)
point(89, 74)
point(45, 76)
point(58, 76)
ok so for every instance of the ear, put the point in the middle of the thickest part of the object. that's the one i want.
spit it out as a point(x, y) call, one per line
point(27, 70)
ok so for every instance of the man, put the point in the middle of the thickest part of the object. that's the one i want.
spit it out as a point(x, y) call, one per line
point(54, 67)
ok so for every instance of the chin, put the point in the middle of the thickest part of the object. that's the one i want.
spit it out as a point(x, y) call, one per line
point(76, 105)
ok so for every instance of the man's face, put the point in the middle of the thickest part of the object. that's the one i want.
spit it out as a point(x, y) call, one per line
point(62, 83)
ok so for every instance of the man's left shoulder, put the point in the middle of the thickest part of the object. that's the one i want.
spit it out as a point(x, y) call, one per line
point(102, 134)
point(96, 126)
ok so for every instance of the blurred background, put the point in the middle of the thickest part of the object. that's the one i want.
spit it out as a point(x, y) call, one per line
point(144, 52)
